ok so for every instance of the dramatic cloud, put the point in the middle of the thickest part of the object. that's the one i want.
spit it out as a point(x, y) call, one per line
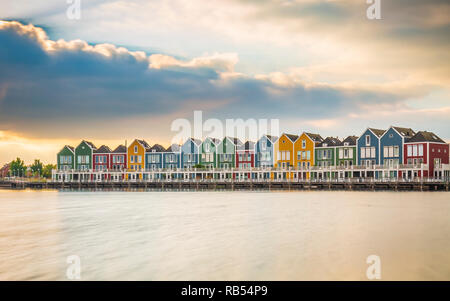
point(45, 81)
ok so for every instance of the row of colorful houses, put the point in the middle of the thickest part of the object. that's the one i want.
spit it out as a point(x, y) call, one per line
point(374, 147)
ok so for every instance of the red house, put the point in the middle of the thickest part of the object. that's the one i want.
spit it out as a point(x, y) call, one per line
point(101, 158)
point(245, 155)
point(119, 158)
point(427, 148)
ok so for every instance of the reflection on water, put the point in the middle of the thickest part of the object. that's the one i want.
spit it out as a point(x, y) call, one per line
point(224, 235)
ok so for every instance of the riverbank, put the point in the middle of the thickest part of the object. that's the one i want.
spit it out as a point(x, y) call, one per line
point(236, 185)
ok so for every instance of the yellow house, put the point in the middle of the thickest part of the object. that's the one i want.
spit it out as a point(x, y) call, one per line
point(284, 151)
point(304, 149)
point(136, 155)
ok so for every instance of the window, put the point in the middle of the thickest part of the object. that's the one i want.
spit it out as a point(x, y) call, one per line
point(363, 152)
point(409, 151)
point(263, 145)
point(367, 140)
point(131, 159)
point(396, 151)
point(414, 151)
point(303, 143)
point(135, 149)
point(308, 155)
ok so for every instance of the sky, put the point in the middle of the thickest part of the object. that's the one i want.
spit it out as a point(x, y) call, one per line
point(128, 69)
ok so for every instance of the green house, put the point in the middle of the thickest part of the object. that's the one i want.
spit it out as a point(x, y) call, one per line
point(83, 155)
point(208, 153)
point(66, 158)
point(226, 152)
point(325, 155)
point(346, 153)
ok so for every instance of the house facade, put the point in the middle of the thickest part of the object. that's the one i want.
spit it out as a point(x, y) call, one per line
point(346, 152)
point(208, 153)
point(66, 158)
point(304, 149)
point(102, 158)
point(245, 155)
point(154, 157)
point(391, 146)
point(264, 151)
point(119, 158)
point(83, 155)
point(284, 151)
point(325, 152)
point(136, 155)
point(428, 149)
point(190, 153)
point(226, 152)
point(368, 147)
point(172, 157)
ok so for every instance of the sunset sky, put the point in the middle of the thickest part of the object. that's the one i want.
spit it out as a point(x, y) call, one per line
point(127, 69)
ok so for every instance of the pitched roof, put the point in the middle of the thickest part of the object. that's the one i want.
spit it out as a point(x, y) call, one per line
point(144, 144)
point(102, 150)
point(405, 132)
point(196, 141)
point(90, 144)
point(235, 141)
point(214, 140)
point(351, 140)
point(157, 148)
point(293, 138)
point(120, 149)
point(330, 141)
point(272, 138)
point(377, 132)
point(315, 137)
point(424, 136)
point(248, 145)
point(174, 148)
point(71, 148)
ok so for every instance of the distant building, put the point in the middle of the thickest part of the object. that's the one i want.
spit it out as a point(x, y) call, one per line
point(4, 171)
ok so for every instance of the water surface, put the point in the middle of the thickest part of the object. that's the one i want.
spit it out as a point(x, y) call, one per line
point(224, 235)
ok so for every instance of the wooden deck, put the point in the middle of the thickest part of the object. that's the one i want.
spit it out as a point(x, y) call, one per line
point(233, 185)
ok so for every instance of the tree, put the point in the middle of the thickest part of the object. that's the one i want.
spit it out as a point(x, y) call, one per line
point(17, 168)
point(36, 167)
point(47, 170)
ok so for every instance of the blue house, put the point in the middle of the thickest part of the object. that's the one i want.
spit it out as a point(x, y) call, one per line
point(368, 147)
point(391, 145)
point(172, 157)
point(264, 151)
point(154, 157)
point(190, 151)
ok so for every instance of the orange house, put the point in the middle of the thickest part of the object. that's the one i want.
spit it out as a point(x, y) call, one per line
point(136, 155)
point(304, 149)
point(284, 152)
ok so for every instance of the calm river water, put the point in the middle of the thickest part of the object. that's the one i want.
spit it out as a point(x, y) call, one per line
point(224, 235)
